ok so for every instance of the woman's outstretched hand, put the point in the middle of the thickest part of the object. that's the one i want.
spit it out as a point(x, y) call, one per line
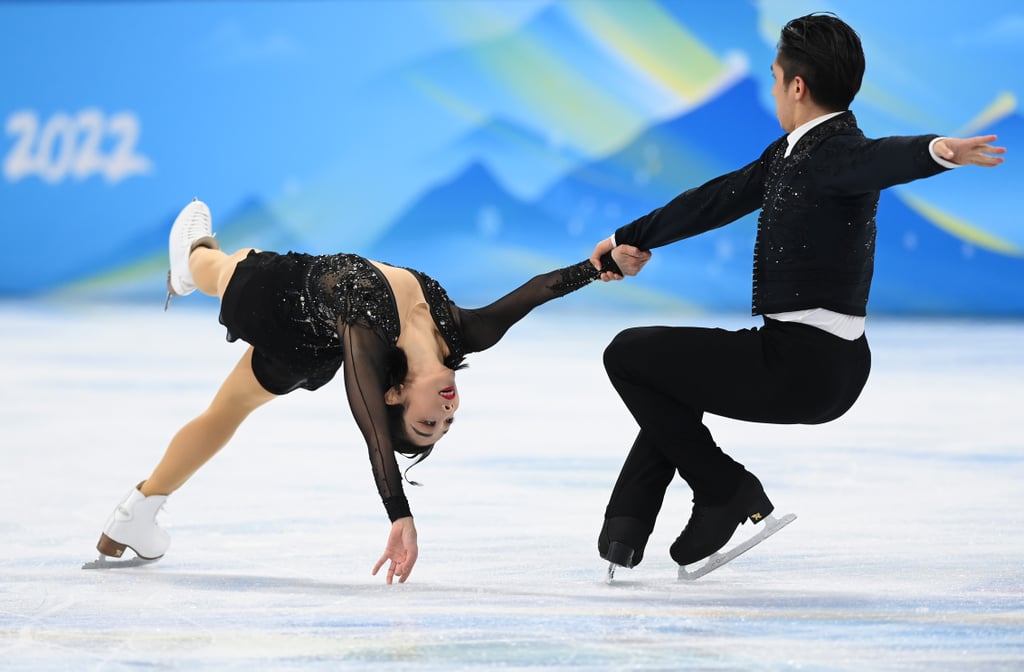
point(401, 551)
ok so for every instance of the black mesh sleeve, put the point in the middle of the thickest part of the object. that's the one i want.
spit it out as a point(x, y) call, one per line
point(483, 327)
point(365, 384)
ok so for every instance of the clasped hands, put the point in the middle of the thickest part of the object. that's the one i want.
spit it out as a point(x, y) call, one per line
point(630, 259)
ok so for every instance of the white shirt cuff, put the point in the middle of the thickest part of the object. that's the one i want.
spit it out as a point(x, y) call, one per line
point(938, 159)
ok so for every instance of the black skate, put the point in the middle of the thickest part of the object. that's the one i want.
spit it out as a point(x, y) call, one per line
point(622, 541)
point(711, 527)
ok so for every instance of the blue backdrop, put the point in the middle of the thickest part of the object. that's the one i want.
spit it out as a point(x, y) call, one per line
point(478, 141)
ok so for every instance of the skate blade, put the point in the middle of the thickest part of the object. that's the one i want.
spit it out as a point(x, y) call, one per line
point(716, 560)
point(610, 576)
point(170, 291)
point(104, 563)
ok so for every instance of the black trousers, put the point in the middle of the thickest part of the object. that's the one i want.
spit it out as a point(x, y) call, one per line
point(669, 377)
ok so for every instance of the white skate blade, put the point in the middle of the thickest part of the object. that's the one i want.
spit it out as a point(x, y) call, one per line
point(610, 576)
point(104, 563)
point(771, 526)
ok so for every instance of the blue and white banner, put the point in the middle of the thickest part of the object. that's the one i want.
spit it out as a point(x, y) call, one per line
point(480, 142)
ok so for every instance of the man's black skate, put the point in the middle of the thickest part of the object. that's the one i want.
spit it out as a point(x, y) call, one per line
point(711, 527)
point(622, 540)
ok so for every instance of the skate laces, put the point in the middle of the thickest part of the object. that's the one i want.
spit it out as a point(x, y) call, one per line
point(199, 225)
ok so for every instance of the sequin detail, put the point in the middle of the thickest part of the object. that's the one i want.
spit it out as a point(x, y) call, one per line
point(441, 312)
point(348, 289)
point(574, 277)
point(310, 296)
point(797, 246)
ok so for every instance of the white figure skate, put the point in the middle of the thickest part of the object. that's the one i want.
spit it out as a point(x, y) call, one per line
point(132, 525)
point(192, 228)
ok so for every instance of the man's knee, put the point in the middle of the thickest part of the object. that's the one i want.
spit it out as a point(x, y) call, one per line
point(623, 348)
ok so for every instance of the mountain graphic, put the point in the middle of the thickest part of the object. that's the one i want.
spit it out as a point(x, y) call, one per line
point(921, 269)
point(476, 236)
point(478, 239)
point(987, 200)
point(574, 76)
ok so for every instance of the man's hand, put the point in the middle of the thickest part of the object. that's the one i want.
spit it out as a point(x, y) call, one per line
point(401, 550)
point(976, 151)
point(629, 259)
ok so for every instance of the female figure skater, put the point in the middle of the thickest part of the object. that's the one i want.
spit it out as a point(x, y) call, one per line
point(395, 333)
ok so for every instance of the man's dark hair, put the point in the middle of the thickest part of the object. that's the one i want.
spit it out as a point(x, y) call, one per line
point(826, 53)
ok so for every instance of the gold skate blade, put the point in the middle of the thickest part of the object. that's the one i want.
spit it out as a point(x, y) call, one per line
point(103, 562)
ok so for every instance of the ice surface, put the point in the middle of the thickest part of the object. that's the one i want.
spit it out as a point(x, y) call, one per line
point(907, 554)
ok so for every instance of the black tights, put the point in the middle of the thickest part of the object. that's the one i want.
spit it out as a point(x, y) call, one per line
point(668, 377)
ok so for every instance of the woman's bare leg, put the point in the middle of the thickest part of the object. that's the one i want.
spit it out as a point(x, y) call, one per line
point(203, 437)
point(212, 268)
point(238, 396)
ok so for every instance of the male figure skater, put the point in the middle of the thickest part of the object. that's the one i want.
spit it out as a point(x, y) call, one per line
point(817, 189)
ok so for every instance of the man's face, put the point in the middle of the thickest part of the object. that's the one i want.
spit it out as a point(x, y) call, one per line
point(784, 104)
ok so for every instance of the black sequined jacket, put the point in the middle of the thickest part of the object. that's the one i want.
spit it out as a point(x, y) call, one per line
point(816, 230)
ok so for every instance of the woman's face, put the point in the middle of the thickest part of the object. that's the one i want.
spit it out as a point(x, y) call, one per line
point(430, 404)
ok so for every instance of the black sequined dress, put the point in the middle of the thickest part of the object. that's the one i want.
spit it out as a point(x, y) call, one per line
point(308, 316)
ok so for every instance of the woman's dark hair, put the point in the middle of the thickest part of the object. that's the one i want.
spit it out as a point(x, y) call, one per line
point(397, 367)
point(827, 54)
point(400, 440)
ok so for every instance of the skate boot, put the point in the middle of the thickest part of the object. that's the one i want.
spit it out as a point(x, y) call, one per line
point(192, 228)
point(711, 526)
point(133, 525)
point(622, 541)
